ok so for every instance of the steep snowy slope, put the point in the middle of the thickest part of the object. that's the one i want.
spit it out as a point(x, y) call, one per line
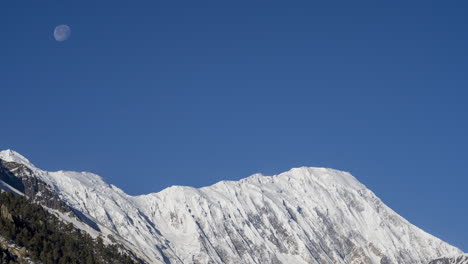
point(305, 215)
point(462, 259)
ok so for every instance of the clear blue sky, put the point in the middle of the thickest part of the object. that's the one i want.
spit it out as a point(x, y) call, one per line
point(151, 94)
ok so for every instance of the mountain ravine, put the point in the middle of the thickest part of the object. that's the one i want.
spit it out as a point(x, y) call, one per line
point(305, 215)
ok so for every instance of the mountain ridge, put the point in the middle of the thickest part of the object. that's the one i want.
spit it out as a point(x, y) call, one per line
point(13, 156)
point(305, 215)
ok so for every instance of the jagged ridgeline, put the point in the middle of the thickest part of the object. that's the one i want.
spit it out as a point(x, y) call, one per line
point(305, 215)
point(42, 237)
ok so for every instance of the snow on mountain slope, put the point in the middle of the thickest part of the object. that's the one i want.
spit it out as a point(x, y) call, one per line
point(461, 259)
point(13, 156)
point(305, 215)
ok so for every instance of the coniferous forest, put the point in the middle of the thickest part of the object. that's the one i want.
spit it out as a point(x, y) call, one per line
point(47, 239)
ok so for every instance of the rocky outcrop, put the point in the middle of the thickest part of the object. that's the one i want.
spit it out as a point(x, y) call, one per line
point(7, 257)
point(23, 179)
point(5, 214)
point(12, 254)
point(27, 182)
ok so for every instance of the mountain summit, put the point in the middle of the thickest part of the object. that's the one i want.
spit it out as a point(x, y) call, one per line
point(305, 215)
point(13, 156)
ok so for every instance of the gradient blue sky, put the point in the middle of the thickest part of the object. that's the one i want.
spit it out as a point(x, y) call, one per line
point(151, 94)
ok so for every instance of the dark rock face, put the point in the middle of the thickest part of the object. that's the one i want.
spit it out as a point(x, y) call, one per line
point(23, 179)
point(8, 177)
point(462, 259)
point(43, 194)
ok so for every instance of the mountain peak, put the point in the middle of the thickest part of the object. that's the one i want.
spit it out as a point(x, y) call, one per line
point(13, 156)
point(324, 176)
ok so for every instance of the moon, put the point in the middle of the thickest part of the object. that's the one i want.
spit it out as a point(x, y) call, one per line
point(62, 33)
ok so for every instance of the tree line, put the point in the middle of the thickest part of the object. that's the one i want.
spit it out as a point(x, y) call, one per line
point(49, 240)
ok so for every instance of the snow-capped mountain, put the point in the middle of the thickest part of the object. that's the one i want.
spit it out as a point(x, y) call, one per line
point(305, 215)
